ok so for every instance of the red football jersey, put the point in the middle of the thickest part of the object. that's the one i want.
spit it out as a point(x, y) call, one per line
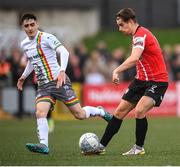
point(151, 65)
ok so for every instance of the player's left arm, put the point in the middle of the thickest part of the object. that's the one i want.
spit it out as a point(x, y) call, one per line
point(56, 45)
point(64, 56)
point(128, 63)
point(138, 46)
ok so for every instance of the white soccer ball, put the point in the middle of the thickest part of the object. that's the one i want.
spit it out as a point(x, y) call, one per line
point(89, 143)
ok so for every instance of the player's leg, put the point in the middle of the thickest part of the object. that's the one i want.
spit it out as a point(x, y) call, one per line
point(67, 94)
point(153, 96)
point(51, 124)
point(144, 105)
point(43, 105)
point(88, 111)
point(128, 102)
point(115, 123)
point(77, 111)
point(42, 109)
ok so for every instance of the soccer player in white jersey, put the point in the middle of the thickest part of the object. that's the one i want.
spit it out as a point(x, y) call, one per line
point(40, 48)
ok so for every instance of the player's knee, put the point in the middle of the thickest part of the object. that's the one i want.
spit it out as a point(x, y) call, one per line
point(78, 113)
point(79, 116)
point(121, 113)
point(139, 113)
point(41, 114)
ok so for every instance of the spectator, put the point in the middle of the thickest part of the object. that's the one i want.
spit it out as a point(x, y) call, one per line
point(116, 59)
point(168, 54)
point(95, 70)
point(74, 70)
point(4, 68)
point(4, 72)
point(176, 63)
point(103, 50)
point(81, 51)
point(16, 68)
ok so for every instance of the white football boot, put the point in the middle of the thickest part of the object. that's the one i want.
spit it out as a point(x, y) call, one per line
point(135, 150)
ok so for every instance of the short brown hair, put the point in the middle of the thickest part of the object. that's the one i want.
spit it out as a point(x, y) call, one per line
point(28, 16)
point(126, 14)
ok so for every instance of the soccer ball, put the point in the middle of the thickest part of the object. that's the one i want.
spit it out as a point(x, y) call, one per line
point(89, 143)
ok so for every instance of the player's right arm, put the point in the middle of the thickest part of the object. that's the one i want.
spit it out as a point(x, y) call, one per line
point(137, 50)
point(26, 73)
point(128, 63)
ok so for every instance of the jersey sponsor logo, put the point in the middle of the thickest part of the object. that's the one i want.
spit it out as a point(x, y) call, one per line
point(138, 41)
point(38, 46)
point(39, 74)
point(34, 57)
point(138, 44)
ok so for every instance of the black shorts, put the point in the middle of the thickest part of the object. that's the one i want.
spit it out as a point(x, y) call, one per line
point(138, 88)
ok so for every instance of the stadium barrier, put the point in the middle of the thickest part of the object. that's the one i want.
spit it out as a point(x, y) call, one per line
point(106, 95)
point(109, 96)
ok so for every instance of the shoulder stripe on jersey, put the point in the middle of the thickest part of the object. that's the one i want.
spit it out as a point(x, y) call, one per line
point(57, 46)
point(43, 58)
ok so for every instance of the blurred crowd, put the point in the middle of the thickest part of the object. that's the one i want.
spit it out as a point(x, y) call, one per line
point(93, 67)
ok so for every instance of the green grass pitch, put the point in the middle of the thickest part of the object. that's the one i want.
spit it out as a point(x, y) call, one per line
point(162, 143)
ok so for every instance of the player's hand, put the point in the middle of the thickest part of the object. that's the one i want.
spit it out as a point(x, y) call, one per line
point(20, 83)
point(115, 77)
point(61, 79)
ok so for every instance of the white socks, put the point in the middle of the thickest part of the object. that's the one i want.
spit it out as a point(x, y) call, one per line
point(93, 111)
point(42, 130)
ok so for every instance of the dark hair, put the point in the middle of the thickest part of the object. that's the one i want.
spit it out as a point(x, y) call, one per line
point(126, 14)
point(28, 16)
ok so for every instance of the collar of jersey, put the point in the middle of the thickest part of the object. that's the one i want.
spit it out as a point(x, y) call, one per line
point(35, 36)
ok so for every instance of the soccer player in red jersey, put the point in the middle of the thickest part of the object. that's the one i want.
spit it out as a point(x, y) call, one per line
point(149, 86)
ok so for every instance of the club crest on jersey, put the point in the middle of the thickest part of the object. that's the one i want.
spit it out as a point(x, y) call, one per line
point(38, 46)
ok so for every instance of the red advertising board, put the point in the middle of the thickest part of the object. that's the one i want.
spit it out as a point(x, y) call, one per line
point(109, 96)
